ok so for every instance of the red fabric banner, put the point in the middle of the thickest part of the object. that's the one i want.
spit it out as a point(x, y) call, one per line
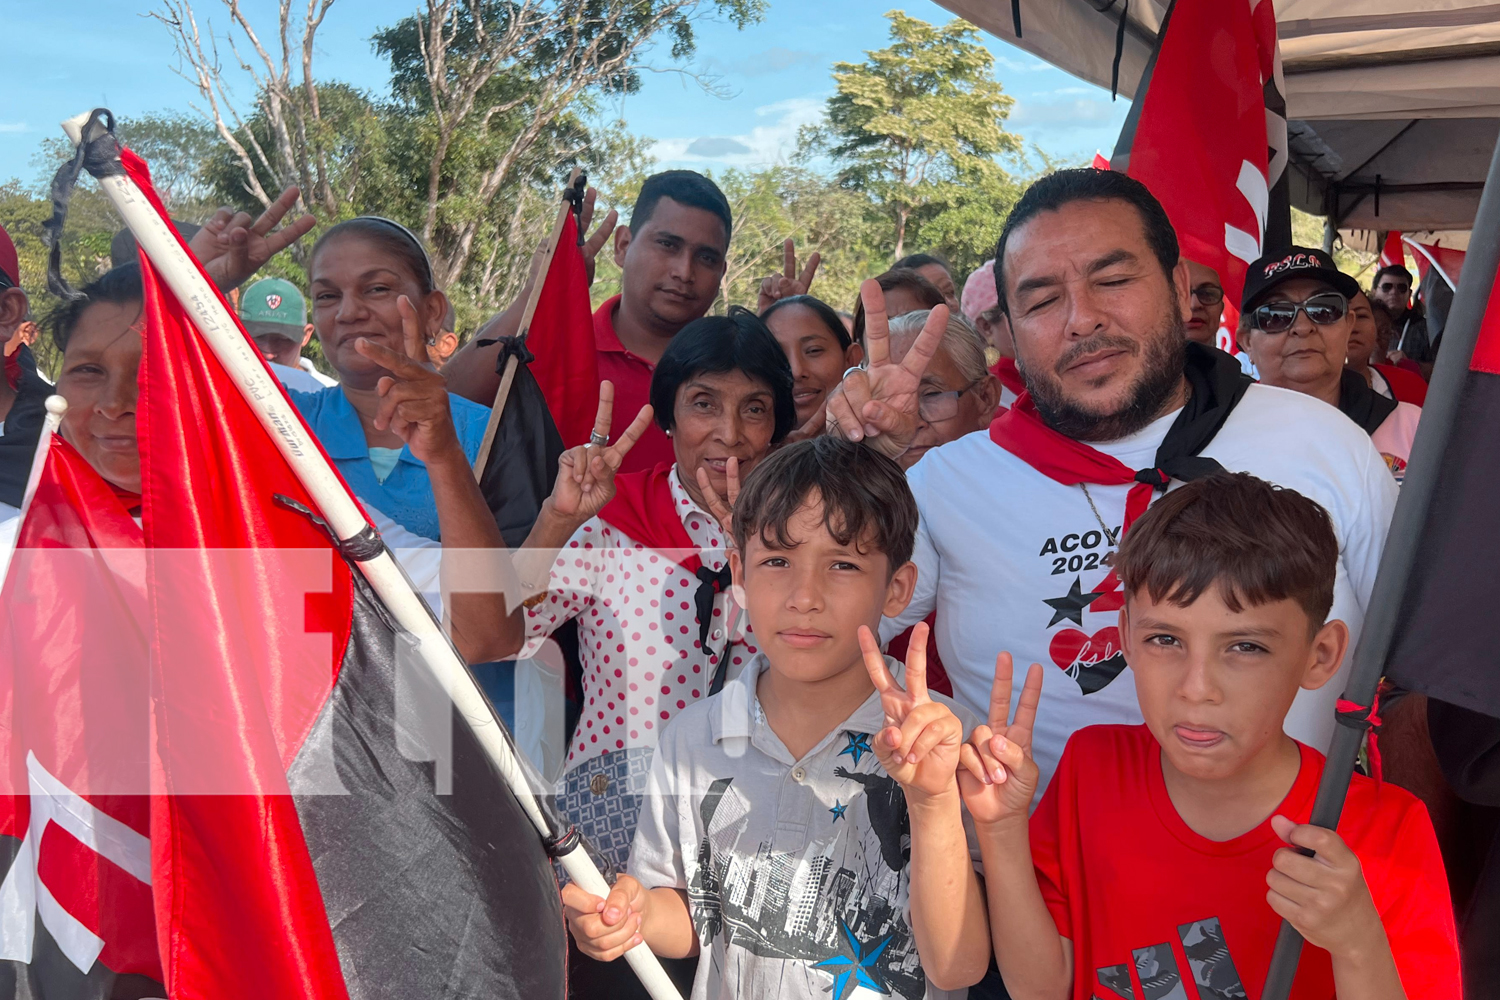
point(74, 731)
point(1392, 252)
point(1200, 143)
point(561, 336)
point(251, 612)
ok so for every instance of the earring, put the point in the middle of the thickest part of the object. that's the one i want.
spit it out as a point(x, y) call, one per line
point(669, 432)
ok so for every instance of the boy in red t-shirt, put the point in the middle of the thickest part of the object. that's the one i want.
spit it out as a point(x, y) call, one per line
point(1161, 859)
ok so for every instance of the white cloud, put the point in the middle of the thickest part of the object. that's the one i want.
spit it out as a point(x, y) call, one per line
point(1080, 113)
point(763, 145)
point(14, 127)
point(1026, 64)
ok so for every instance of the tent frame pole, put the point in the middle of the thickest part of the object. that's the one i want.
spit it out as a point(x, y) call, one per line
point(222, 332)
point(1439, 415)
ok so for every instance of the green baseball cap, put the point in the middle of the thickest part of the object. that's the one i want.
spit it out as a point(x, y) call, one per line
point(273, 305)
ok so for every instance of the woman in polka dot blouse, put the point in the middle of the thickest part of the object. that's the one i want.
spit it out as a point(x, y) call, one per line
point(642, 564)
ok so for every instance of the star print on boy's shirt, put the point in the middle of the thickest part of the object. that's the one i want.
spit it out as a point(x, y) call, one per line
point(857, 967)
point(785, 904)
point(857, 747)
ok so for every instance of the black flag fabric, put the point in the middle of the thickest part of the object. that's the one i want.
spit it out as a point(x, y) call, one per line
point(1446, 641)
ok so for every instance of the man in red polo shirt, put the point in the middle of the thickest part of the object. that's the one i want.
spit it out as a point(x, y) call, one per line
point(671, 257)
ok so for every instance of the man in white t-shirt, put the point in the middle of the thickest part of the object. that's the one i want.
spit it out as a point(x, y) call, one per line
point(1019, 525)
point(1299, 321)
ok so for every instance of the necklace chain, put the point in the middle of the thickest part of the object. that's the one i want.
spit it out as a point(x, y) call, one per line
point(1109, 535)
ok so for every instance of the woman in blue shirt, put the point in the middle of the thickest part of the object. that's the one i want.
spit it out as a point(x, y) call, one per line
point(359, 269)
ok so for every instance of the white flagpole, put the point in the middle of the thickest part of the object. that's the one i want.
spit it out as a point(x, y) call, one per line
point(222, 333)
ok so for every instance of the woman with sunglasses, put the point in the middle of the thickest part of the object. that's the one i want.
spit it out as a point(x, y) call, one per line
point(1298, 323)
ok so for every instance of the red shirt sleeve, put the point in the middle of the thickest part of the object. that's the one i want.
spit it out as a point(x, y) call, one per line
point(1048, 851)
point(1410, 889)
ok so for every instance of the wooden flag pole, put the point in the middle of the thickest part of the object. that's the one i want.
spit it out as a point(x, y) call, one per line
point(538, 278)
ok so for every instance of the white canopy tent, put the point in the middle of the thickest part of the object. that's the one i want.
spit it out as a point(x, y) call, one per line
point(1393, 106)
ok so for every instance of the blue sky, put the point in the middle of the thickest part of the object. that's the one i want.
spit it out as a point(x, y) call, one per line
point(773, 76)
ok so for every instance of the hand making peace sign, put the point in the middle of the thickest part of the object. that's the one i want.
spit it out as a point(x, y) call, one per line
point(878, 404)
point(722, 508)
point(413, 397)
point(789, 282)
point(595, 242)
point(920, 743)
point(998, 776)
point(232, 248)
point(586, 474)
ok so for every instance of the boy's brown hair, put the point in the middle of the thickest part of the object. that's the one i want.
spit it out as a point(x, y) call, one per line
point(1258, 542)
point(866, 501)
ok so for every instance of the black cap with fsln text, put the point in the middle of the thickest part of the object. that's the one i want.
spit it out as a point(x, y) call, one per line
point(1290, 263)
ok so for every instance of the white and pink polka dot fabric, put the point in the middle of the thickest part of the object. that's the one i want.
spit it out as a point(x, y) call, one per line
point(638, 630)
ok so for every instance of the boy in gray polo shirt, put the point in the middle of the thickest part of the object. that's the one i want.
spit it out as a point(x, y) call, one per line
point(802, 829)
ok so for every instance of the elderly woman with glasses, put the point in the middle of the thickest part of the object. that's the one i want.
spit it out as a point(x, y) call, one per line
point(959, 394)
point(1297, 323)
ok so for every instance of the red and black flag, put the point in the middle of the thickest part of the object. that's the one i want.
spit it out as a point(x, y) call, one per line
point(1207, 134)
point(1441, 646)
point(229, 773)
point(561, 337)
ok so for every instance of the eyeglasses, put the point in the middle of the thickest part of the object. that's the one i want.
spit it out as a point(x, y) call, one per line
point(1209, 295)
point(1324, 309)
point(1389, 286)
point(937, 406)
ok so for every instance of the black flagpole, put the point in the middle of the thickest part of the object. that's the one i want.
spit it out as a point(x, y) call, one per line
point(1439, 414)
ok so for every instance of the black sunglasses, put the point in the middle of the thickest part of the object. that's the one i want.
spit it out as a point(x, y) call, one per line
point(1324, 309)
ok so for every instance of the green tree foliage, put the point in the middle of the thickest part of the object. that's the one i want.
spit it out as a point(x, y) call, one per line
point(917, 127)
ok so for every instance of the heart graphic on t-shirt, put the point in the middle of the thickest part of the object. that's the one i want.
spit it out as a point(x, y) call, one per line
point(1091, 660)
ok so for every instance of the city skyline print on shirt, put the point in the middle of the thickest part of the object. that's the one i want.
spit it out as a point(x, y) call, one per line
point(837, 906)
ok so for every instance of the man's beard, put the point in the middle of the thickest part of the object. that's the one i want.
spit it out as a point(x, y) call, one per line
point(1159, 378)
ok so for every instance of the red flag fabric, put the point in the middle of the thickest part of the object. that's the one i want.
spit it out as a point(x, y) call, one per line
point(1200, 139)
point(1392, 252)
point(1100, 163)
point(561, 337)
point(1449, 262)
point(1487, 349)
point(74, 812)
point(213, 780)
point(234, 884)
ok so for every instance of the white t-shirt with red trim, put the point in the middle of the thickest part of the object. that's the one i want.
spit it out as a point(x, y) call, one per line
point(1012, 560)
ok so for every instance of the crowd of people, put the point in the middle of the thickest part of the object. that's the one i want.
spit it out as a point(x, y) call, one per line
point(805, 550)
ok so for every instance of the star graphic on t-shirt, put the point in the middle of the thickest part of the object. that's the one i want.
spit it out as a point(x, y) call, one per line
point(1071, 606)
point(859, 745)
point(838, 810)
point(855, 967)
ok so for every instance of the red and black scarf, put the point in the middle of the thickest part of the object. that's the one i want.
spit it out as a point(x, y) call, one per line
point(643, 508)
point(1217, 384)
